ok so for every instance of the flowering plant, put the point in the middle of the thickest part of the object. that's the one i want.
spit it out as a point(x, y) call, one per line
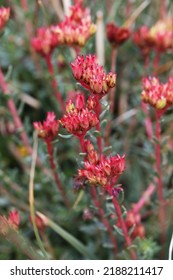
point(86, 130)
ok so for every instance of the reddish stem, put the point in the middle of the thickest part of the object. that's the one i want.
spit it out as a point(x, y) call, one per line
point(102, 216)
point(14, 113)
point(56, 177)
point(98, 205)
point(160, 180)
point(123, 227)
point(144, 199)
point(158, 158)
point(54, 83)
point(82, 143)
point(99, 139)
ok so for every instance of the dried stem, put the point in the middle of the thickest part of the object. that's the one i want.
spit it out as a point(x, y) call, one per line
point(124, 228)
point(56, 177)
point(54, 83)
point(58, 9)
point(163, 8)
point(100, 45)
point(103, 219)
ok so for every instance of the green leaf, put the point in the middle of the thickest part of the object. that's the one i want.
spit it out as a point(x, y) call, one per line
point(65, 136)
point(68, 237)
point(118, 230)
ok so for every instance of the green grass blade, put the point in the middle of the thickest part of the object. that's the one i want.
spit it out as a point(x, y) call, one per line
point(68, 237)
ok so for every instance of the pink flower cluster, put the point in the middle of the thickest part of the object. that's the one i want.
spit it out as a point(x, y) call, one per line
point(158, 37)
point(142, 39)
point(133, 221)
point(74, 30)
point(117, 35)
point(157, 94)
point(13, 222)
point(79, 118)
point(4, 16)
point(92, 76)
point(102, 171)
point(49, 128)
point(45, 41)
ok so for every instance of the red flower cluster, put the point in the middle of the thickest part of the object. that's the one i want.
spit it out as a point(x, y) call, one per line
point(49, 128)
point(134, 220)
point(76, 28)
point(92, 76)
point(79, 118)
point(12, 222)
point(157, 94)
point(45, 41)
point(117, 35)
point(158, 37)
point(103, 171)
point(4, 16)
point(143, 40)
point(162, 34)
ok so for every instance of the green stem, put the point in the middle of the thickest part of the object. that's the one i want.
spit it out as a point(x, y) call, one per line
point(31, 196)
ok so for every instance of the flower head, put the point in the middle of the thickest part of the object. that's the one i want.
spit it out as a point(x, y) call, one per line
point(133, 222)
point(4, 16)
point(49, 128)
point(92, 76)
point(143, 40)
point(10, 222)
point(45, 41)
point(117, 35)
point(76, 28)
point(157, 94)
point(40, 221)
point(103, 171)
point(13, 218)
point(158, 37)
point(162, 34)
point(79, 119)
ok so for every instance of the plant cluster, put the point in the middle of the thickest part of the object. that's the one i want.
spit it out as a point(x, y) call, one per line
point(88, 168)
